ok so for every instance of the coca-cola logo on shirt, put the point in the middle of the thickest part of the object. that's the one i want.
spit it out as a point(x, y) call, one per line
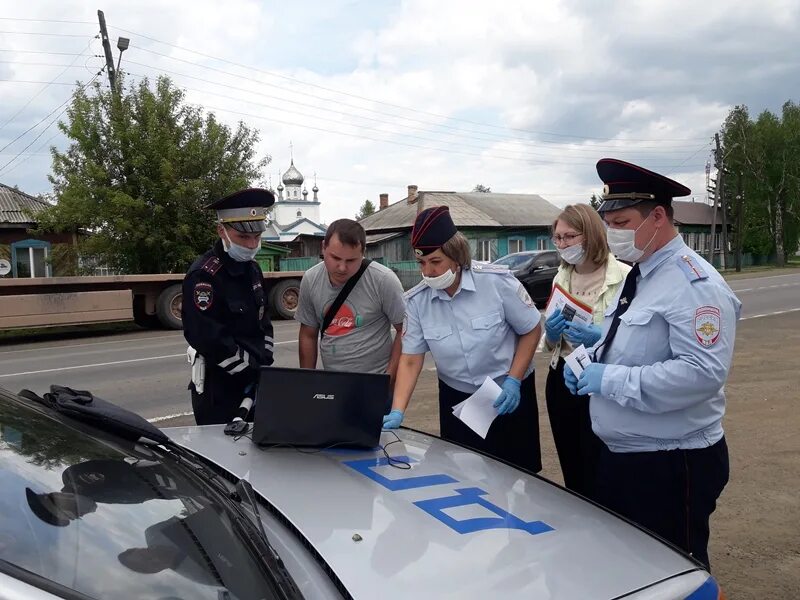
point(343, 323)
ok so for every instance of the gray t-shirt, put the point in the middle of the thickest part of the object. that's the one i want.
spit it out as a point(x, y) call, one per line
point(359, 337)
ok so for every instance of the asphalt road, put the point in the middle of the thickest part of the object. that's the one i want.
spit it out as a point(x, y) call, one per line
point(147, 371)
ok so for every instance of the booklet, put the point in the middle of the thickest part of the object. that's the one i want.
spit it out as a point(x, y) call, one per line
point(572, 308)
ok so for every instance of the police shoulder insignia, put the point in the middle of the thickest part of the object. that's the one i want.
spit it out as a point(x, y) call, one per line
point(482, 268)
point(707, 325)
point(691, 269)
point(523, 295)
point(212, 265)
point(203, 295)
point(408, 294)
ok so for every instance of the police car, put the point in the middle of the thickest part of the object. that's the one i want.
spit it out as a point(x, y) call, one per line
point(97, 503)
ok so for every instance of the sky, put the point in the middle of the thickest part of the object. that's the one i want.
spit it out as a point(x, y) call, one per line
point(371, 96)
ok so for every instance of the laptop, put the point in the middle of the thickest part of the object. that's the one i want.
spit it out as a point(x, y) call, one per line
point(307, 407)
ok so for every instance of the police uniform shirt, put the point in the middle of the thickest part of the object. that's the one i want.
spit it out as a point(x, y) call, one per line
point(663, 386)
point(472, 334)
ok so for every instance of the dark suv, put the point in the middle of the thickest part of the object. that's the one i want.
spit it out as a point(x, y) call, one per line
point(535, 269)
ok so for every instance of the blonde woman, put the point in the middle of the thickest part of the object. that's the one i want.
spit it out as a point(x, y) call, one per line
point(591, 274)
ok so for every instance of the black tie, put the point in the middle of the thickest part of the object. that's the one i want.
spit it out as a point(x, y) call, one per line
point(625, 299)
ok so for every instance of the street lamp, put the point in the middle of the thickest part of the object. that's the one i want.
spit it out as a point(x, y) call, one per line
point(122, 45)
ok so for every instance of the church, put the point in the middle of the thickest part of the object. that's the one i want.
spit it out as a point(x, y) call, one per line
point(293, 213)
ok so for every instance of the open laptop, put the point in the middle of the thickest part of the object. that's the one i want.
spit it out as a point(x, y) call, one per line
point(306, 407)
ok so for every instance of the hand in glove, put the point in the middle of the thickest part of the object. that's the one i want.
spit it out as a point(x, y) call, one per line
point(570, 380)
point(554, 326)
point(508, 400)
point(591, 380)
point(581, 333)
point(393, 420)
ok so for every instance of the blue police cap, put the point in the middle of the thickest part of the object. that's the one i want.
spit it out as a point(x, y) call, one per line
point(432, 228)
point(627, 184)
point(245, 210)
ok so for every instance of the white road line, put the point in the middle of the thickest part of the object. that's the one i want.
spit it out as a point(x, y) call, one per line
point(117, 362)
point(777, 312)
point(168, 417)
point(768, 287)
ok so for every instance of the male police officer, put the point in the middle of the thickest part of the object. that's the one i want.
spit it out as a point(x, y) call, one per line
point(659, 368)
point(225, 316)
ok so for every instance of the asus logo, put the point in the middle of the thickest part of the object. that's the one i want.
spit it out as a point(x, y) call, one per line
point(323, 396)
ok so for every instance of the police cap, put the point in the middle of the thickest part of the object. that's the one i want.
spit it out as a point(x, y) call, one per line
point(627, 184)
point(432, 229)
point(244, 210)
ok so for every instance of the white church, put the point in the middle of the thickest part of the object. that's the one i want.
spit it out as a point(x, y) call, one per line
point(293, 213)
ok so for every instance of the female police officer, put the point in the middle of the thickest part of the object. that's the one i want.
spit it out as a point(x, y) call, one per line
point(592, 275)
point(477, 321)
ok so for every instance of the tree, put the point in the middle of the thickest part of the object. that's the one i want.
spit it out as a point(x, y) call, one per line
point(595, 201)
point(140, 167)
point(484, 189)
point(366, 210)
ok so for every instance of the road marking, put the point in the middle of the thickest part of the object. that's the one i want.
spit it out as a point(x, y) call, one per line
point(127, 340)
point(767, 277)
point(777, 312)
point(168, 417)
point(117, 362)
point(767, 287)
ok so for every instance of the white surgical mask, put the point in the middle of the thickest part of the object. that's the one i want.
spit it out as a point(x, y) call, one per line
point(441, 282)
point(237, 252)
point(572, 255)
point(622, 244)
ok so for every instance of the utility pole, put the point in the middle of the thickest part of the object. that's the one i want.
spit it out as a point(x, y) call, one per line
point(739, 222)
point(714, 203)
point(112, 72)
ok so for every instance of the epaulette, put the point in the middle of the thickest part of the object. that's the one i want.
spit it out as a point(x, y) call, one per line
point(410, 293)
point(212, 265)
point(693, 272)
point(482, 268)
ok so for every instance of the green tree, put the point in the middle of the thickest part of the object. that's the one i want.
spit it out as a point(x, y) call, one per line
point(366, 210)
point(484, 189)
point(595, 201)
point(140, 167)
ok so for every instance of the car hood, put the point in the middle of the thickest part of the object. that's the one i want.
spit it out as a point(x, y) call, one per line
point(453, 523)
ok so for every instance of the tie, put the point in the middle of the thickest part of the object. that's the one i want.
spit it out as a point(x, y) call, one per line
point(625, 299)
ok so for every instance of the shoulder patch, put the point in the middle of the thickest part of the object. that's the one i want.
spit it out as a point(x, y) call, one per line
point(203, 294)
point(481, 268)
point(408, 294)
point(707, 325)
point(212, 265)
point(693, 271)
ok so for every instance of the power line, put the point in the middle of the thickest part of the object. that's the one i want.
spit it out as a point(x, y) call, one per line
point(43, 52)
point(46, 20)
point(80, 35)
point(41, 64)
point(398, 106)
point(35, 81)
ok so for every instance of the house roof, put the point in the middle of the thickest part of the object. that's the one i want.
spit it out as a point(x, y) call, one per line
point(694, 213)
point(14, 203)
point(376, 238)
point(473, 209)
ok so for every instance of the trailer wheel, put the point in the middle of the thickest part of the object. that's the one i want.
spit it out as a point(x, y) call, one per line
point(168, 307)
point(284, 298)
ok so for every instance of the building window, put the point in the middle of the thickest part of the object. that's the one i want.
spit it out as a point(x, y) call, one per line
point(486, 250)
point(516, 245)
point(541, 243)
point(299, 213)
point(29, 258)
point(717, 242)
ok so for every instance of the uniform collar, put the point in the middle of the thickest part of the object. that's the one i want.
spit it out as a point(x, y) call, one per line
point(467, 283)
point(233, 267)
point(659, 256)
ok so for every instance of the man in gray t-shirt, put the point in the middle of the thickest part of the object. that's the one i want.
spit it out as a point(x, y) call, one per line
point(359, 336)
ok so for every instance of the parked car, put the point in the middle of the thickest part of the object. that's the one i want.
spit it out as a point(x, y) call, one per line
point(536, 269)
point(97, 503)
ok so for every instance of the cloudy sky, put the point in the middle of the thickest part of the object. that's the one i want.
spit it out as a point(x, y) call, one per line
point(519, 95)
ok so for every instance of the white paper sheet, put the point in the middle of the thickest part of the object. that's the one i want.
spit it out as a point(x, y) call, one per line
point(477, 411)
point(578, 360)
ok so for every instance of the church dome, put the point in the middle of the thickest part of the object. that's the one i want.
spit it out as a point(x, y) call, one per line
point(293, 176)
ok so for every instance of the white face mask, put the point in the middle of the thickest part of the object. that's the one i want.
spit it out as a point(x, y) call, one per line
point(237, 252)
point(622, 243)
point(440, 282)
point(572, 255)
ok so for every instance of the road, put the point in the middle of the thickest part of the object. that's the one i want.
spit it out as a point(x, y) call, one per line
point(147, 371)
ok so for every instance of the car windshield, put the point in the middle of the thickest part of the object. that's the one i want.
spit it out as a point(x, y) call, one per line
point(115, 519)
point(515, 261)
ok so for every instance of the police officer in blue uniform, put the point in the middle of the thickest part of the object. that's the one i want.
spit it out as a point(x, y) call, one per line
point(225, 314)
point(476, 321)
point(656, 383)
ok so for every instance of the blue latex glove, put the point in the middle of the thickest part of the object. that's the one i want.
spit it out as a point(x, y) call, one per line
point(580, 333)
point(554, 326)
point(591, 379)
point(508, 400)
point(570, 380)
point(393, 420)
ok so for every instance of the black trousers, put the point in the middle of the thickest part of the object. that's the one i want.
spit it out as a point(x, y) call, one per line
point(670, 492)
point(577, 445)
point(221, 397)
point(513, 438)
